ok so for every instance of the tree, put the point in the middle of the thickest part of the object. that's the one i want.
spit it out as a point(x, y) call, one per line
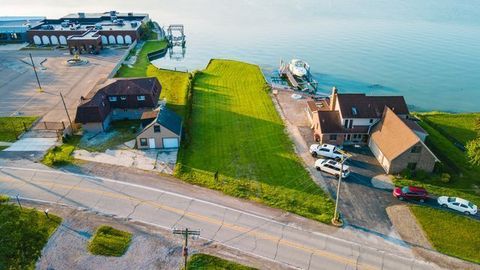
point(473, 151)
point(23, 237)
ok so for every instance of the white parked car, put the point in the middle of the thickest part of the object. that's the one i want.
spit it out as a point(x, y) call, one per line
point(325, 150)
point(458, 204)
point(331, 167)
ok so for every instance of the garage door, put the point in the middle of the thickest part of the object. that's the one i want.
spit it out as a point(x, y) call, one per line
point(170, 142)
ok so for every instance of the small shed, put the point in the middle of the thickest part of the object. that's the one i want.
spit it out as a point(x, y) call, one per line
point(164, 132)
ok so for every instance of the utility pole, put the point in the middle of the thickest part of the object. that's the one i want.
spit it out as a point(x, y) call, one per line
point(336, 219)
point(66, 110)
point(36, 75)
point(186, 233)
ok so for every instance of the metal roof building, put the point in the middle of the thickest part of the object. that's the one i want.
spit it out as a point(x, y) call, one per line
point(14, 29)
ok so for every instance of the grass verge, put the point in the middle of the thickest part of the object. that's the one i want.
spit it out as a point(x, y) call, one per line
point(238, 144)
point(23, 232)
point(450, 233)
point(204, 261)
point(109, 241)
point(12, 127)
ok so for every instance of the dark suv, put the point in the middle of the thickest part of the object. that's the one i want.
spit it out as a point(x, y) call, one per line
point(411, 193)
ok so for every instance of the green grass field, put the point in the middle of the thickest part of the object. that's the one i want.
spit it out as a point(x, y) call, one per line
point(23, 233)
point(459, 126)
point(236, 131)
point(174, 83)
point(11, 127)
point(61, 155)
point(109, 241)
point(450, 233)
point(204, 261)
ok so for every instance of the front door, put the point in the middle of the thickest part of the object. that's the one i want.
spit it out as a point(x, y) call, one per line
point(151, 142)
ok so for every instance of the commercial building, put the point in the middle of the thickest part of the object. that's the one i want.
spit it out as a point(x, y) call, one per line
point(14, 29)
point(89, 32)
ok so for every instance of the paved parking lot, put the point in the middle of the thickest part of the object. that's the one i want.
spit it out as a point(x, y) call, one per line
point(18, 85)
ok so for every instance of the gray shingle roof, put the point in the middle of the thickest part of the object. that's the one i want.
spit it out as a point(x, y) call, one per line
point(170, 120)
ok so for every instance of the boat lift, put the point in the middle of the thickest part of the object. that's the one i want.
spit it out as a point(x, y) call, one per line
point(306, 83)
point(176, 35)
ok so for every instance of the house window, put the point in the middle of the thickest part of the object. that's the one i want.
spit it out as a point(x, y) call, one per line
point(416, 149)
point(412, 166)
point(333, 137)
point(156, 128)
point(140, 98)
point(123, 97)
point(143, 142)
point(112, 99)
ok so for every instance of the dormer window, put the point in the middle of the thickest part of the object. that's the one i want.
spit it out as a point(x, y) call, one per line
point(140, 98)
point(112, 99)
point(354, 111)
point(123, 98)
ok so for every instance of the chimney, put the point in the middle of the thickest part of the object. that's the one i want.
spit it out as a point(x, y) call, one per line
point(333, 98)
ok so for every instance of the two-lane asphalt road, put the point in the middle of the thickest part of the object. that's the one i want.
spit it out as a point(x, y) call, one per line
point(248, 232)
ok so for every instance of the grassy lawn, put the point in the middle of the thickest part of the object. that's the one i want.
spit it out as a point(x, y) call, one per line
point(204, 261)
point(11, 127)
point(140, 67)
point(61, 155)
point(236, 131)
point(459, 126)
point(174, 83)
point(23, 232)
point(450, 233)
point(109, 241)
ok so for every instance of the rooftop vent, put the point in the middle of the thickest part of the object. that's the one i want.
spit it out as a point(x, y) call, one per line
point(113, 13)
point(81, 14)
point(354, 111)
point(130, 13)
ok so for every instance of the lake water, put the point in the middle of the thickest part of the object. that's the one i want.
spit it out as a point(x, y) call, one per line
point(428, 51)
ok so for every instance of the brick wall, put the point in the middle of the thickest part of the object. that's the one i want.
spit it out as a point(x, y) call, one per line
point(425, 160)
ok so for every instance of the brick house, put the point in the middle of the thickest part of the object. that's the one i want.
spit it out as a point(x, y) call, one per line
point(117, 99)
point(344, 119)
point(397, 146)
point(348, 118)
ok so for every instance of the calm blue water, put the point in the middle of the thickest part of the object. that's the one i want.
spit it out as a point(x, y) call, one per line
point(428, 51)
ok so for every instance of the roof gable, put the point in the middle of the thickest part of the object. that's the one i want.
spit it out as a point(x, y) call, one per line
point(392, 136)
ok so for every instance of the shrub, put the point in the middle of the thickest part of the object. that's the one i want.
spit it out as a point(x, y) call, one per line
point(4, 198)
point(422, 175)
point(445, 178)
point(109, 241)
point(407, 173)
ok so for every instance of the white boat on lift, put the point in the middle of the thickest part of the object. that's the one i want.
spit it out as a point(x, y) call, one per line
point(299, 67)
